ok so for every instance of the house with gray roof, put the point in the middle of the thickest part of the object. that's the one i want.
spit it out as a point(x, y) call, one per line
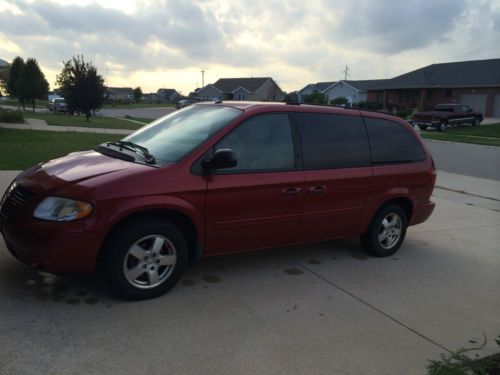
point(119, 94)
point(354, 91)
point(250, 89)
point(311, 88)
point(475, 83)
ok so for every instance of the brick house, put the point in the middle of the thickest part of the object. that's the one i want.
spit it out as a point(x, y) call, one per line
point(253, 89)
point(475, 83)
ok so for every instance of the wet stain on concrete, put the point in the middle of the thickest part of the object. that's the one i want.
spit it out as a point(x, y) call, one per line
point(293, 271)
point(314, 261)
point(72, 301)
point(335, 258)
point(91, 301)
point(294, 307)
point(205, 287)
point(187, 282)
point(212, 279)
point(358, 256)
point(470, 204)
point(394, 258)
point(320, 314)
point(109, 306)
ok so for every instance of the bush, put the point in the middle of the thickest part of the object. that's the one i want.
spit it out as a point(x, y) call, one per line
point(11, 116)
point(341, 100)
point(370, 105)
point(403, 113)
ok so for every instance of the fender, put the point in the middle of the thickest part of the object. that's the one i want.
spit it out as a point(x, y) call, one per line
point(120, 210)
point(374, 203)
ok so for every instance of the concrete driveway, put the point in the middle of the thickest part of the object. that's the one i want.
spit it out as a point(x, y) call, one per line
point(324, 308)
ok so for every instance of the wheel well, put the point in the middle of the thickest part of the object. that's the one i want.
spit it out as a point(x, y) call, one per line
point(182, 221)
point(405, 203)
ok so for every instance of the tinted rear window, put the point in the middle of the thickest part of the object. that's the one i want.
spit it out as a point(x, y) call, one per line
point(392, 143)
point(333, 141)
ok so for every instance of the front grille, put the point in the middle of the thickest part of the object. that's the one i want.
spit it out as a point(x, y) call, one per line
point(17, 198)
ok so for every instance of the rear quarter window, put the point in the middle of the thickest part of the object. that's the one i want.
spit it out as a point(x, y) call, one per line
point(391, 142)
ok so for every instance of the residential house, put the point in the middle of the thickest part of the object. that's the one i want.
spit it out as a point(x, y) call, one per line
point(475, 83)
point(119, 94)
point(169, 95)
point(251, 89)
point(354, 91)
point(311, 89)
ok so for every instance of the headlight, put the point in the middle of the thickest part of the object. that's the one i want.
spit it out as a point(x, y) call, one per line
point(62, 209)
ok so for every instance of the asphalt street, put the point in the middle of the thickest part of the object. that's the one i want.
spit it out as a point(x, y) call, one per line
point(467, 159)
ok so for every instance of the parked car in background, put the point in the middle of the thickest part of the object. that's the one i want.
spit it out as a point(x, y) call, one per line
point(58, 105)
point(447, 114)
point(219, 178)
point(183, 103)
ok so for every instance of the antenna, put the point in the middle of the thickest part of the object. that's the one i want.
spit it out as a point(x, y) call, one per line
point(346, 72)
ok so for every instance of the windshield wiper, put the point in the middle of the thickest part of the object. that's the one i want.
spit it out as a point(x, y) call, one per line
point(131, 146)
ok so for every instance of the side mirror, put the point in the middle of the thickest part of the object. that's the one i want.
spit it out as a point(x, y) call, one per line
point(223, 158)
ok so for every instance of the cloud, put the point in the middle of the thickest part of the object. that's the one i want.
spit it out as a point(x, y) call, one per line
point(294, 42)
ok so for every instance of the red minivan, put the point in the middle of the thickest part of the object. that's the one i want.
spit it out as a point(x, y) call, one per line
point(218, 178)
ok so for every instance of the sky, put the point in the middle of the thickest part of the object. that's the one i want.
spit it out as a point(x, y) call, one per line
point(166, 43)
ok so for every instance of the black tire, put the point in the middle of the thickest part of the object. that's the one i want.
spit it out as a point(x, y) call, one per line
point(477, 121)
point(371, 239)
point(142, 234)
point(422, 127)
point(441, 127)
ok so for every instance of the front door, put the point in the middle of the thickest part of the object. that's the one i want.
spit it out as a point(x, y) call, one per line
point(258, 203)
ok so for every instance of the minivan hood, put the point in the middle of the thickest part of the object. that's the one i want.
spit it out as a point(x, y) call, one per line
point(72, 168)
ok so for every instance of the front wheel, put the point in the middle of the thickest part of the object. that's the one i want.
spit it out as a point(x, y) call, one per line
point(145, 259)
point(386, 231)
point(477, 122)
point(422, 127)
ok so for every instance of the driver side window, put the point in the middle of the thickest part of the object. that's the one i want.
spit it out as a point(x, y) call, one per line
point(261, 143)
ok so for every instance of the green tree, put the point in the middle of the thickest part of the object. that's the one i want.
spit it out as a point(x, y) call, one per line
point(14, 74)
point(81, 86)
point(31, 83)
point(315, 98)
point(137, 94)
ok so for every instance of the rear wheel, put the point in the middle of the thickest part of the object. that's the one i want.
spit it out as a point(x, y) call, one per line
point(386, 231)
point(441, 126)
point(145, 259)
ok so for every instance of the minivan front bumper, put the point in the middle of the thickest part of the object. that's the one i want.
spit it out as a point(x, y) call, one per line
point(60, 248)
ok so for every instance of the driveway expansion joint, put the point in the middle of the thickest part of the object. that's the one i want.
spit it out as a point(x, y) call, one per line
point(352, 295)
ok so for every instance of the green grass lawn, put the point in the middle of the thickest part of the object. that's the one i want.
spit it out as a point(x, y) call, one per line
point(139, 105)
point(20, 149)
point(468, 134)
point(95, 122)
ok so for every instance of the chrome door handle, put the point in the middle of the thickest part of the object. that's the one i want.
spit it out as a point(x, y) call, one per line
point(317, 189)
point(291, 191)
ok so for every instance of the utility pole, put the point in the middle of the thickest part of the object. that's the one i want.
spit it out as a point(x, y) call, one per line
point(202, 78)
point(346, 72)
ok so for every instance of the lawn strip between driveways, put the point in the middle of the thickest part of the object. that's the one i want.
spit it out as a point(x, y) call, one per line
point(20, 149)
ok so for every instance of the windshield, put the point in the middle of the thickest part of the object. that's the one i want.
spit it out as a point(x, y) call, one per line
point(172, 137)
